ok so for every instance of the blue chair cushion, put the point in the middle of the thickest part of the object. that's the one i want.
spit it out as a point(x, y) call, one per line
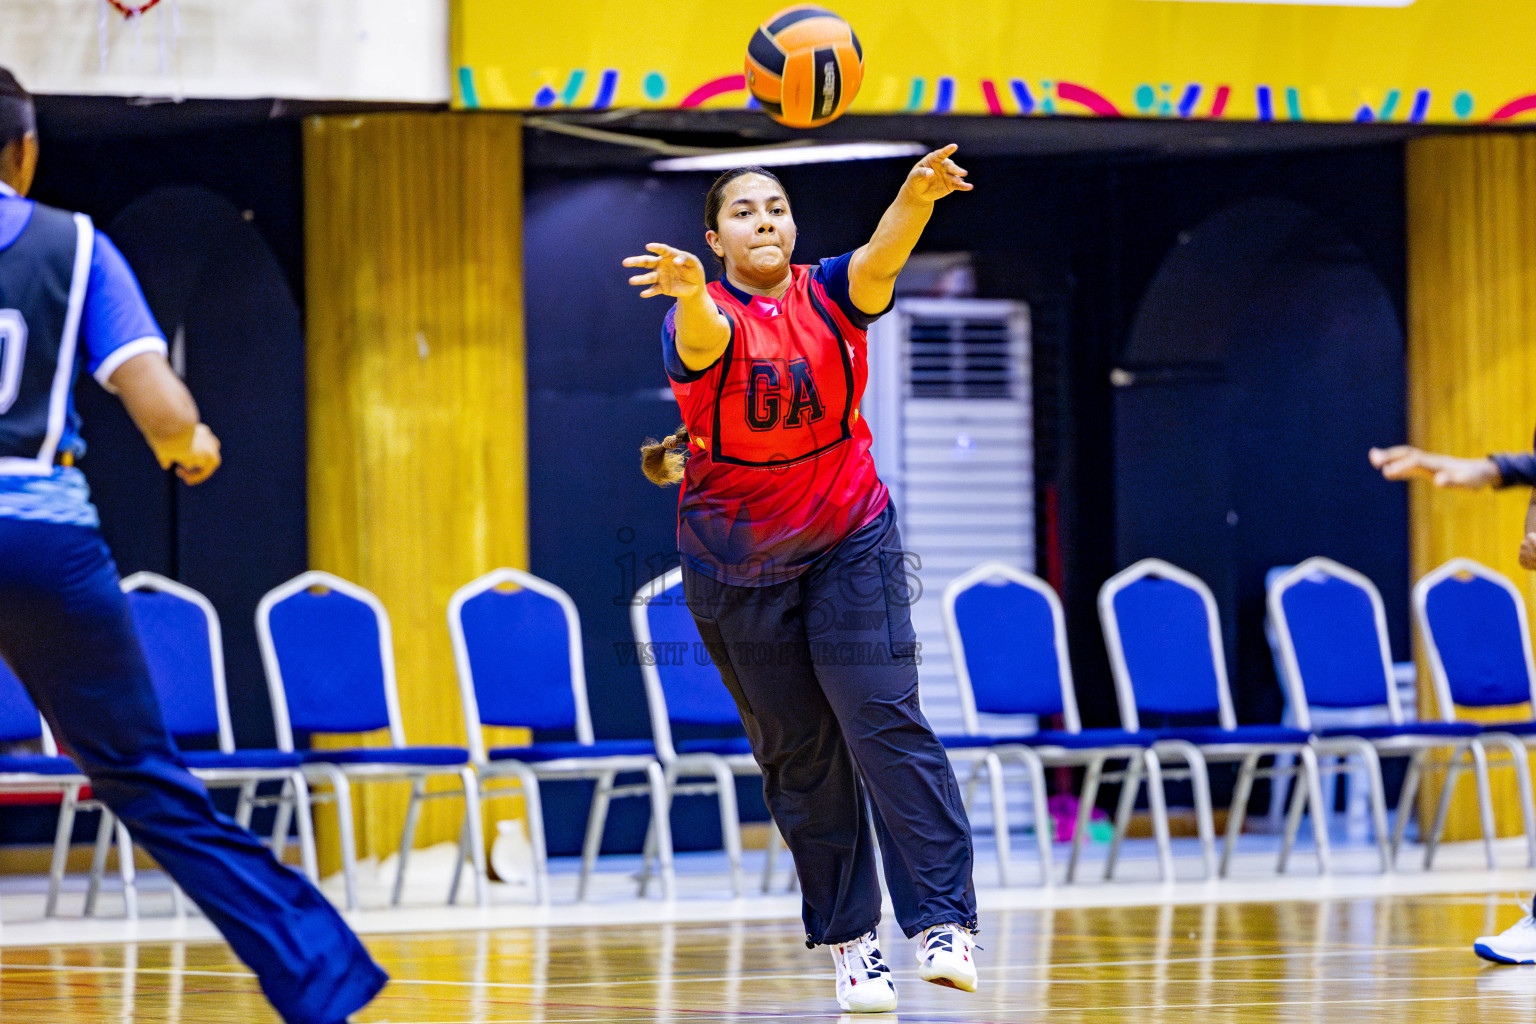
point(38, 764)
point(1517, 728)
point(257, 759)
point(1213, 735)
point(1083, 740)
point(559, 751)
point(389, 755)
point(965, 741)
point(1379, 732)
point(724, 747)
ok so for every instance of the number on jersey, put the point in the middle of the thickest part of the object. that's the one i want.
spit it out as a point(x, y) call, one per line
point(13, 351)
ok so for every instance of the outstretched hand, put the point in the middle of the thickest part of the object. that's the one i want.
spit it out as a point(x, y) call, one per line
point(936, 176)
point(1405, 462)
point(670, 272)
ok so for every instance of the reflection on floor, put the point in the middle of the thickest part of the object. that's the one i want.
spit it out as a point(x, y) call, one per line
point(1355, 945)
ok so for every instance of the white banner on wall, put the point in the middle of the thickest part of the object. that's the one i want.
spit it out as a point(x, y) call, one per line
point(230, 49)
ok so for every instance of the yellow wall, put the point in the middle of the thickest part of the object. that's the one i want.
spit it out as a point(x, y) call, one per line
point(417, 425)
point(1447, 61)
point(1471, 363)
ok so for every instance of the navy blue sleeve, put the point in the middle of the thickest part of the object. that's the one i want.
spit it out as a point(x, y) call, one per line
point(674, 362)
point(115, 324)
point(1516, 470)
point(833, 275)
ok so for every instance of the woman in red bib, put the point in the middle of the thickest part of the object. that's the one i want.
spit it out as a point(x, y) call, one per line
point(789, 545)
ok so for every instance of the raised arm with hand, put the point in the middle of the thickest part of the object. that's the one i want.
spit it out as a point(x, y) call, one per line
point(162, 408)
point(702, 330)
point(875, 264)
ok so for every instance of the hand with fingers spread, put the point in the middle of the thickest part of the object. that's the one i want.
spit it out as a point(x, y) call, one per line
point(1405, 462)
point(668, 271)
point(936, 176)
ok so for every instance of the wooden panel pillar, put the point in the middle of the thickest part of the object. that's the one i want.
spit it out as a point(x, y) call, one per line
point(417, 424)
point(1471, 363)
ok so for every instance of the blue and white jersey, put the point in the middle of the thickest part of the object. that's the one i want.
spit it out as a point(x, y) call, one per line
point(67, 296)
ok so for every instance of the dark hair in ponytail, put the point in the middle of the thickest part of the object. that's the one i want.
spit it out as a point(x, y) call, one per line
point(663, 460)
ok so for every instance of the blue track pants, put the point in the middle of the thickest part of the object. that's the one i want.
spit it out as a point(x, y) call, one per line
point(823, 669)
point(66, 631)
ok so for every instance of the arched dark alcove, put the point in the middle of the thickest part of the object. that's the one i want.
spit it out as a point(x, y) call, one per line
point(212, 282)
point(1263, 361)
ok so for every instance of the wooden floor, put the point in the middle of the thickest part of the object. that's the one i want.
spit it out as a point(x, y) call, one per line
point(1388, 958)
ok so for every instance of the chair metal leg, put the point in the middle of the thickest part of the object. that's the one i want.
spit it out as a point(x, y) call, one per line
point(771, 853)
point(1299, 798)
point(475, 827)
point(730, 821)
point(1239, 810)
point(1522, 764)
point(994, 768)
point(1092, 774)
point(1200, 785)
point(533, 807)
point(127, 872)
point(99, 860)
point(284, 813)
point(1157, 807)
point(969, 796)
point(304, 812)
point(1485, 800)
point(1432, 845)
point(1320, 810)
point(670, 774)
point(1128, 787)
point(597, 815)
point(341, 791)
point(1405, 800)
point(661, 811)
point(407, 837)
point(246, 804)
point(1378, 799)
point(61, 836)
point(458, 864)
point(1516, 750)
point(1045, 837)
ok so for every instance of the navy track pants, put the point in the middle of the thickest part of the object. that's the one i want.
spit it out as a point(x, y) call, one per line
point(823, 669)
point(66, 631)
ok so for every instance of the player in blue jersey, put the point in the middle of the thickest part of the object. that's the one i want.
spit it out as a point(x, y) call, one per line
point(67, 299)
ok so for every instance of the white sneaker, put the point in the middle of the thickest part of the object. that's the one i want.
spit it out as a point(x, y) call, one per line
point(945, 956)
point(863, 979)
point(1515, 945)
